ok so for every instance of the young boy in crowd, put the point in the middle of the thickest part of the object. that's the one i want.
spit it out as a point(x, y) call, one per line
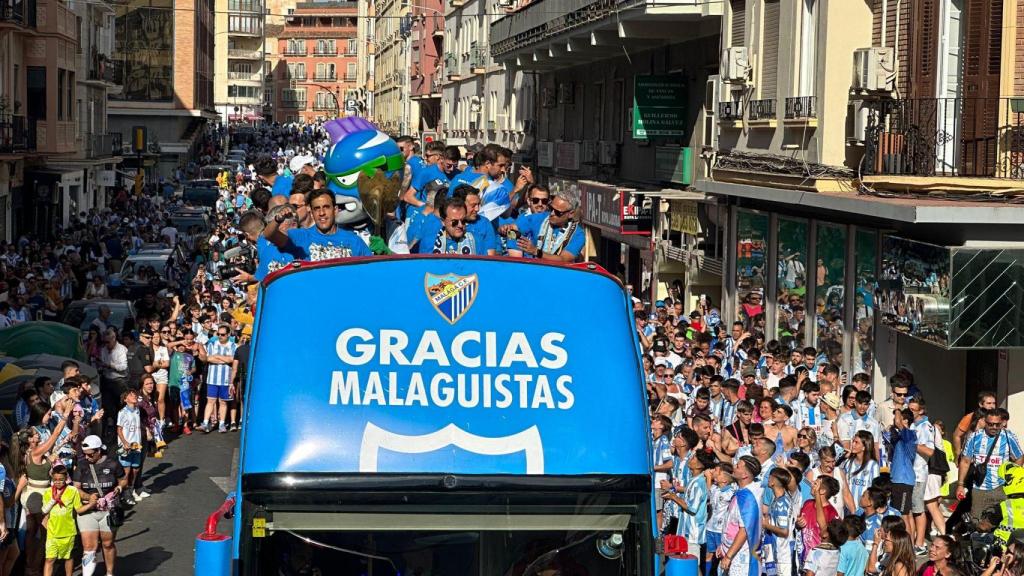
point(721, 493)
point(853, 556)
point(778, 546)
point(129, 438)
point(824, 559)
point(693, 509)
point(60, 504)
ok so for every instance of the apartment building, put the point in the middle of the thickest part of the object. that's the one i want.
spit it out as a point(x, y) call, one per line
point(425, 76)
point(239, 60)
point(164, 60)
point(483, 100)
point(316, 73)
point(393, 109)
point(573, 73)
point(97, 151)
point(864, 170)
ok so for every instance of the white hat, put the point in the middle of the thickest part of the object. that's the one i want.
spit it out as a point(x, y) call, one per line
point(298, 162)
point(92, 442)
point(662, 361)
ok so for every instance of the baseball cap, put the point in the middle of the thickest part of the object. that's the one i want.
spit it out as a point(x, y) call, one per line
point(659, 304)
point(298, 162)
point(749, 372)
point(92, 442)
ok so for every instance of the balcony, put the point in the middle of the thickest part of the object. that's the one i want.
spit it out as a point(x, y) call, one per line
point(294, 51)
point(293, 104)
point(326, 77)
point(248, 31)
point(249, 76)
point(553, 34)
point(331, 53)
point(435, 86)
point(18, 13)
point(762, 113)
point(103, 145)
point(478, 59)
point(451, 67)
point(350, 77)
point(245, 54)
point(17, 134)
point(730, 111)
point(945, 137)
point(296, 77)
point(325, 107)
point(802, 110)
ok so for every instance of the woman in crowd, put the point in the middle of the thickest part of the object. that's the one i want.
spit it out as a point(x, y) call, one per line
point(861, 468)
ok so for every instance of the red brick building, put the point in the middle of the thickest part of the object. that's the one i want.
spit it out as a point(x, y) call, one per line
point(316, 71)
point(427, 52)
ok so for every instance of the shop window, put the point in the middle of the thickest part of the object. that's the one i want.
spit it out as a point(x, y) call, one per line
point(751, 244)
point(865, 284)
point(791, 275)
point(829, 293)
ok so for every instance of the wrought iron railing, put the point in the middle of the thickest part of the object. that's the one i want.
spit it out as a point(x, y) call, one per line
point(967, 137)
point(103, 145)
point(21, 12)
point(17, 134)
point(326, 77)
point(293, 104)
point(730, 110)
point(762, 110)
point(801, 108)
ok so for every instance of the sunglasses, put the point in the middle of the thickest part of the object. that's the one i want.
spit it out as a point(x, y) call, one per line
point(457, 222)
point(222, 333)
point(560, 213)
point(543, 201)
point(802, 436)
point(899, 394)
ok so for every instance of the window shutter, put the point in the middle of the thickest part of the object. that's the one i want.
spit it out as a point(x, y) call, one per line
point(924, 79)
point(739, 23)
point(982, 46)
point(770, 53)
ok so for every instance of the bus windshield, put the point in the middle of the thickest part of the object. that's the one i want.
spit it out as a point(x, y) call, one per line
point(449, 419)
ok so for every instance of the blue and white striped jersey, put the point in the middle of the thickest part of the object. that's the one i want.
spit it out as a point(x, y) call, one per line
point(1007, 448)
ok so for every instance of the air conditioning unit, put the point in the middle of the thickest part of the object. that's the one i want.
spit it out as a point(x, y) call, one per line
point(873, 69)
point(735, 65)
point(607, 152)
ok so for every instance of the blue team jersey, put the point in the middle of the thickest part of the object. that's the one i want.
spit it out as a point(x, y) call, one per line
point(425, 176)
point(415, 164)
point(471, 177)
point(550, 239)
point(693, 524)
point(1007, 448)
point(315, 245)
point(430, 242)
point(873, 522)
point(282, 185)
point(272, 258)
point(485, 234)
point(859, 479)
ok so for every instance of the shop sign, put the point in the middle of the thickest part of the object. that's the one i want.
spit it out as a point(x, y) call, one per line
point(659, 106)
point(635, 213)
point(567, 155)
point(601, 206)
point(545, 154)
point(683, 217)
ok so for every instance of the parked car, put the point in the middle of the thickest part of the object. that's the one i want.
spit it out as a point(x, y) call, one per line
point(81, 313)
point(184, 220)
point(201, 193)
point(147, 271)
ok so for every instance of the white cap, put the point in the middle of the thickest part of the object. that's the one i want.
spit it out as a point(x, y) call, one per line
point(92, 442)
point(662, 361)
point(298, 162)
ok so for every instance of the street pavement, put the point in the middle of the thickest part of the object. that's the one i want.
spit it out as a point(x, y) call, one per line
point(187, 484)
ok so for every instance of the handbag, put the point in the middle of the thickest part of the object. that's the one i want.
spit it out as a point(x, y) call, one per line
point(975, 473)
point(115, 514)
point(937, 463)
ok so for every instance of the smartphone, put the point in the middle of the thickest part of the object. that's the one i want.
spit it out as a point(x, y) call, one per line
point(512, 235)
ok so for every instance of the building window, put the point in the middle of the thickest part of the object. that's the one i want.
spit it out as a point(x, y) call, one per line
point(751, 259)
point(243, 91)
point(865, 283)
point(808, 47)
point(829, 292)
point(61, 83)
point(245, 24)
point(791, 311)
point(770, 51)
point(737, 32)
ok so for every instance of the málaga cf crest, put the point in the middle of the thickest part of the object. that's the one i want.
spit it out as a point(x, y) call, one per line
point(451, 295)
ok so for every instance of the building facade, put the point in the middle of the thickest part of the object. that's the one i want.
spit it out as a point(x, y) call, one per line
point(239, 60)
point(484, 100)
point(425, 75)
point(317, 71)
point(164, 59)
point(393, 109)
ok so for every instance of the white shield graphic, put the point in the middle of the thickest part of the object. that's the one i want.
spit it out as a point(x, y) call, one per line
point(527, 441)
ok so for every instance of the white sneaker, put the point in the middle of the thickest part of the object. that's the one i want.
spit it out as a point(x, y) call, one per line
point(142, 494)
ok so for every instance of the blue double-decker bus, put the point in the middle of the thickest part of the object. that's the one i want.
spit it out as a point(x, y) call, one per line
point(444, 416)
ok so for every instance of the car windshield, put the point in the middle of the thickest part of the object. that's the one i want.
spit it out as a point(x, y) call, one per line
point(118, 314)
point(144, 269)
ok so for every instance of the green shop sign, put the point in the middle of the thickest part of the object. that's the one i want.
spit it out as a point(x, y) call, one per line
point(659, 106)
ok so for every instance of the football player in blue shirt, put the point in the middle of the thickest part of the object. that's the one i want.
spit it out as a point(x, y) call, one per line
point(322, 241)
point(280, 184)
point(453, 237)
point(550, 235)
point(487, 176)
point(433, 170)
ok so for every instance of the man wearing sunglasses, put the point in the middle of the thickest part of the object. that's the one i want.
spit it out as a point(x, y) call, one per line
point(453, 237)
point(322, 241)
point(219, 356)
point(896, 401)
point(550, 235)
point(538, 199)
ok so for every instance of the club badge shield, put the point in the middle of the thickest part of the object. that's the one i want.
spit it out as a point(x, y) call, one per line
point(450, 294)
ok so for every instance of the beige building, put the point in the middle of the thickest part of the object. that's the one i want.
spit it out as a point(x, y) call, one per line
point(391, 60)
point(238, 88)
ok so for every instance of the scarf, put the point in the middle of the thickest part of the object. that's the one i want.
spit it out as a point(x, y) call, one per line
point(466, 246)
point(547, 240)
point(58, 495)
